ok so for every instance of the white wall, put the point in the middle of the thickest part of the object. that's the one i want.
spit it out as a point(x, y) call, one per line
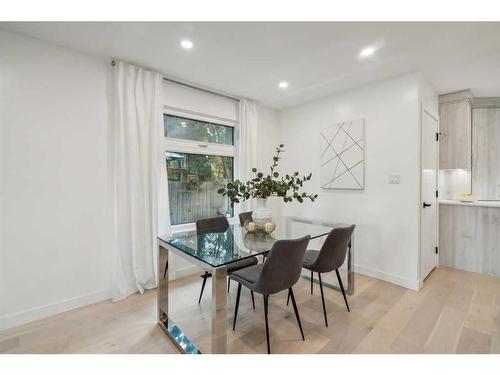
point(428, 97)
point(53, 115)
point(268, 138)
point(387, 216)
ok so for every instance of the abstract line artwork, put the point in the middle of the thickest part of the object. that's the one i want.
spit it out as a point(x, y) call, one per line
point(343, 155)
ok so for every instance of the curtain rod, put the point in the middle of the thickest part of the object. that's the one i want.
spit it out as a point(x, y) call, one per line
point(165, 78)
point(224, 95)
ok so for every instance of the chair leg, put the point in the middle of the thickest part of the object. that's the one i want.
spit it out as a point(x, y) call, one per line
point(204, 277)
point(266, 310)
point(166, 268)
point(342, 288)
point(236, 306)
point(312, 281)
point(288, 298)
point(296, 312)
point(228, 284)
point(322, 298)
point(253, 300)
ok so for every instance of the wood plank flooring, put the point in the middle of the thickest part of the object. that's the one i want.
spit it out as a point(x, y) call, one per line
point(455, 312)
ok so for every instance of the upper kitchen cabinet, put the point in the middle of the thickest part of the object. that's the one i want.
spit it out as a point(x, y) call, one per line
point(486, 148)
point(455, 147)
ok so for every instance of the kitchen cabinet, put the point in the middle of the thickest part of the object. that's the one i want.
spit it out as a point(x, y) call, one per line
point(469, 238)
point(455, 116)
point(486, 150)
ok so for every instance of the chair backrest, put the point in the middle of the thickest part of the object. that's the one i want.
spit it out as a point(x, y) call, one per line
point(333, 252)
point(244, 216)
point(213, 224)
point(283, 265)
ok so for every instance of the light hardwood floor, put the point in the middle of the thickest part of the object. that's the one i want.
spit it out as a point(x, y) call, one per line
point(455, 312)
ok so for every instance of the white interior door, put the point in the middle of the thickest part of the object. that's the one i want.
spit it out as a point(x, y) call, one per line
point(429, 200)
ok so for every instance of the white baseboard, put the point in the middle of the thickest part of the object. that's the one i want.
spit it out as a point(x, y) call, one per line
point(390, 278)
point(45, 311)
point(30, 315)
point(26, 316)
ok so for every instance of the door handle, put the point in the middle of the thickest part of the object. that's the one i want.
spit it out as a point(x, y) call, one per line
point(427, 204)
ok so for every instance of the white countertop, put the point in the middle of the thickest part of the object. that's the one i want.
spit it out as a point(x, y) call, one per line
point(474, 204)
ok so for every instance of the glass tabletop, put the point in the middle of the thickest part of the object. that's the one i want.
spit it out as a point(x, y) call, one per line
point(220, 248)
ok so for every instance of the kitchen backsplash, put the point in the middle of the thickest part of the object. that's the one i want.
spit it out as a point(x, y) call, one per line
point(452, 182)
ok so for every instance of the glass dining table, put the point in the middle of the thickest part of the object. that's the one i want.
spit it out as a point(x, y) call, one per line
point(214, 251)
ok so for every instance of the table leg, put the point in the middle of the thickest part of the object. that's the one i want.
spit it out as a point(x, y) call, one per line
point(163, 282)
point(219, 311)
point(350, 268)
point(172, 330)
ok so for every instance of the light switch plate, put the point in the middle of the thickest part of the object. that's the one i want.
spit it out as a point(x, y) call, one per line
point(394, 179)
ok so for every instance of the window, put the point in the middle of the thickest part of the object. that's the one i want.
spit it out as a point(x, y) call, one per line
point(200, 159)
point(194, 130)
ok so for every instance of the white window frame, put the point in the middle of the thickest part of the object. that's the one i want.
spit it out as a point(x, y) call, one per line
point(201, 148)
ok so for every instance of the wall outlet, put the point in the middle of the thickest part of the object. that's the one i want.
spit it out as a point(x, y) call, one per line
point(394, 179)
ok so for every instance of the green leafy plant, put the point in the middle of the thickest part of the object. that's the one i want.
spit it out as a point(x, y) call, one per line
point(287, 187)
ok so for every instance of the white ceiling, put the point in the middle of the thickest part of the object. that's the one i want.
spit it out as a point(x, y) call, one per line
point(250, 59)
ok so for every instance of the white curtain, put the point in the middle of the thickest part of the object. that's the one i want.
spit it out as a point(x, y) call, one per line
point(139, 187)
point(247, 143)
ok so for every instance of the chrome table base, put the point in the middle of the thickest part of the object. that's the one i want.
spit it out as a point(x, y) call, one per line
point(219, 299)
point(219, 303)
point(177, 336)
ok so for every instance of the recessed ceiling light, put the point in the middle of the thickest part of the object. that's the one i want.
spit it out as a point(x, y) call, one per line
point(183, 124)
point(186, 44)
point(283, 85)
point(368, 51)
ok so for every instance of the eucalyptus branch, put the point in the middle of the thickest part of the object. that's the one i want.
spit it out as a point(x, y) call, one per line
point(287, 187)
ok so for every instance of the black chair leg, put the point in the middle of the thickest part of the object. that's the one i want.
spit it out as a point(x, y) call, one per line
point(166, 268)
point(312, 281)
point(266, 310)
point(228, 284)
point(288, 298)
point(296, 312)
point(204, 277)
point(253, 300)
point(236, 306)
point(342, 289)
point(322, 298)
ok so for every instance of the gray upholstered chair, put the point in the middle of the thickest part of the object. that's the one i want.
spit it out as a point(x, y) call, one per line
point(213, 224)
point(244, 216)
point(280, 272)
point(330, 257)
point(219, 224)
